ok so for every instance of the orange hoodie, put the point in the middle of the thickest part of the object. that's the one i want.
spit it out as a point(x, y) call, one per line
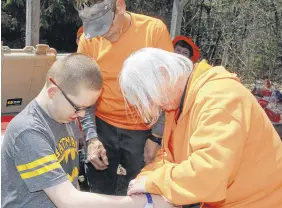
point(223, 151)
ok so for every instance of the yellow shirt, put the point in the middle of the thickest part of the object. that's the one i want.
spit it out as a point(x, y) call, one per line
point(144, 32)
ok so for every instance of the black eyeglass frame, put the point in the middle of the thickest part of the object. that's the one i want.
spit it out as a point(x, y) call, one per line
point(77, 109)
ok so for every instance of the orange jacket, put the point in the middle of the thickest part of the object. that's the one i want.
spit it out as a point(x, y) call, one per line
point(223, 151)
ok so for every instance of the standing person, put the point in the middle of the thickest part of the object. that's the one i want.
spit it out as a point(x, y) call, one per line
point(220, 147)
point(116, 135)
point(39, 160)
point(186, 47)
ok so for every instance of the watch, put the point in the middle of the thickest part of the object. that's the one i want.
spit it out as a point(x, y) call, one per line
point(155, 139)
point(149, 201)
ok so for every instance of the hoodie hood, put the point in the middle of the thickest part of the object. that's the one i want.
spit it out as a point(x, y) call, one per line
point(195, 48)
point(202, 74)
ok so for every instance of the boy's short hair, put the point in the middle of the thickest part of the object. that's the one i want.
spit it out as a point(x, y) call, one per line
point(75, 71)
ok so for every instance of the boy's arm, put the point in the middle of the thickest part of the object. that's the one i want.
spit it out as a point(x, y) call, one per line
point(65, 195)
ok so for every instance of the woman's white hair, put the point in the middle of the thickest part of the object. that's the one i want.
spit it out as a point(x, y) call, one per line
point(146, 77)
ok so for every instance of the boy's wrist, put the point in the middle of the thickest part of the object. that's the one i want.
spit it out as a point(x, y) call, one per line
point(149, 201)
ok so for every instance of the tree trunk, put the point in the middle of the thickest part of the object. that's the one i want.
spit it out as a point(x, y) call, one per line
point(198, 40)
point(175, 20)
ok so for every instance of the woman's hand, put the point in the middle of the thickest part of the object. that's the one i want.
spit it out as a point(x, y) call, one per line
point(137, 186)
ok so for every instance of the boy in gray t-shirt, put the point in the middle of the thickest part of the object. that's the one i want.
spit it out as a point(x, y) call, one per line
point(37, 153)
point(39, 156)
point(40, 146)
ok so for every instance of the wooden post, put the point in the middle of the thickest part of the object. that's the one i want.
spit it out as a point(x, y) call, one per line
point(174, 18)
point(177, 14)
point(32, 22)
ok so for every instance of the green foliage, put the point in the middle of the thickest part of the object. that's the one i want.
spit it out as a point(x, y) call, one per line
point(13, 22)
point(59, 22)
point(243, 35)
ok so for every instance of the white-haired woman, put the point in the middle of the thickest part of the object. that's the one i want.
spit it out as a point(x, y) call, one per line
point(219, 147)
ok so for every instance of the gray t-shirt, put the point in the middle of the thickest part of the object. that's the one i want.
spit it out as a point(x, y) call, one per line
point(36, 153)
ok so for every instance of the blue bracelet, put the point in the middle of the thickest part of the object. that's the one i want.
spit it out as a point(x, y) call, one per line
point(149, 201)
